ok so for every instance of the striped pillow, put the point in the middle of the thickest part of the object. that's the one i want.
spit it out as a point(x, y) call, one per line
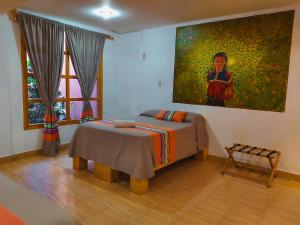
point(176, 116)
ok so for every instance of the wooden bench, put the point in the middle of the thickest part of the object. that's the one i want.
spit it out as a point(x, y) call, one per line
point(273, 157)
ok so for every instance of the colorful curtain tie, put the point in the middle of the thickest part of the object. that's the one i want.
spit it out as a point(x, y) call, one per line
point(87, 112)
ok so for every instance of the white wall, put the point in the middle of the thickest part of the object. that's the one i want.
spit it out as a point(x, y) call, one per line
point(110, 77)
point(13, 138)
point(138, 90)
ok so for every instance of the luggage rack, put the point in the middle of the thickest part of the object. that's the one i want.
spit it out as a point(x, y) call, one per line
point(272, 155)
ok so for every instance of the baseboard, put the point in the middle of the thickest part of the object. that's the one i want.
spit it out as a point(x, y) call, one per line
point(279, 173)
point(287, 175)
point(216, 158)
point(27, 154)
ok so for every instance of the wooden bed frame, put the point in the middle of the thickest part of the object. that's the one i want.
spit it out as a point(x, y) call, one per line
point(136, 185)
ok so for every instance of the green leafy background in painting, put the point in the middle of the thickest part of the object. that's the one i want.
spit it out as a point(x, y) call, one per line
point(258, 50)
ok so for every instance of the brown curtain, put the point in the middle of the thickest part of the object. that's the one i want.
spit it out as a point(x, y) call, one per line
point(44, 40)
point(86, 49)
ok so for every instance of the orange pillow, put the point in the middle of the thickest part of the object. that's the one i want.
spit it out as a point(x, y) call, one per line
point(176, 116)
point(160, 115)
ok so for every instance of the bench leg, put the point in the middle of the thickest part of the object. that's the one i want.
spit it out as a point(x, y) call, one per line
point(79, 163)
point(138, 186)
point(229, 158)
point(201, 156)
point(105, 173)
point(230, 153)
point(273, 167)
point(225, 166)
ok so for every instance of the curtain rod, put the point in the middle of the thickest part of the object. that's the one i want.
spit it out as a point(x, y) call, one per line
point(13, 16)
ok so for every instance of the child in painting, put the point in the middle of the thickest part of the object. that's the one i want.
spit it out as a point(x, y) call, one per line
point(220, 82)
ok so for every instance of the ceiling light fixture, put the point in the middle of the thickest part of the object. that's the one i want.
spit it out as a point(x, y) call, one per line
point(107, 13)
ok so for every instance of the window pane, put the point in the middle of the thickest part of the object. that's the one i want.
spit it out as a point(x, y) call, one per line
point(72, 71)
point(76, 109)
point(28, 64)
point(95, 108)
point(32, 88)
point(95, 91)
point(34, 93)
point(37, 112)
point(75, 91)
point(63, 72)
point(62, 89)
point(60, 110)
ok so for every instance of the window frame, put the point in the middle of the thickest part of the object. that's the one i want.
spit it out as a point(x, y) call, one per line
point(67, 99)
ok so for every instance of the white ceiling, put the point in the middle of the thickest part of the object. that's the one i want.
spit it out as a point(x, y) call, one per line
point(142, 14)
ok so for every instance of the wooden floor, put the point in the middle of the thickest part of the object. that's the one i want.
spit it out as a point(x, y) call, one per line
point(190, 192)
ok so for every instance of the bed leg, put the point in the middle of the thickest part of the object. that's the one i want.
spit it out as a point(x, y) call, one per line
point(201, 156)
point(79, 163)
point(105, 173)
point(138, 186)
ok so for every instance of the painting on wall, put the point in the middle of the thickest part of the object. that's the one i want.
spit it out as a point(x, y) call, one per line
point(237, 63)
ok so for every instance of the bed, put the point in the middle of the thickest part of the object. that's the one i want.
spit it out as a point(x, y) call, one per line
point(20, 206)
point(138, 151)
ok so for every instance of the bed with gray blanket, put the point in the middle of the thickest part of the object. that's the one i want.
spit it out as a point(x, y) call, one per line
point(132, 152)
point(31, 208)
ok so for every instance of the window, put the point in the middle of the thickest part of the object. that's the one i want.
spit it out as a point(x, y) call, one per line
point(69, 103)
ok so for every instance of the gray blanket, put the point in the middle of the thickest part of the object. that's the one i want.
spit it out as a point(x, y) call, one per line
point(30, 207)
point(131, 151)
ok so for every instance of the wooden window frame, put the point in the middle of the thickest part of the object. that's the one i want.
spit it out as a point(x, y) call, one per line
point(67, 99)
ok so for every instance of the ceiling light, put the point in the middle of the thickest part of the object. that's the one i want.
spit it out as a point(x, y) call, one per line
point(107, 13)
